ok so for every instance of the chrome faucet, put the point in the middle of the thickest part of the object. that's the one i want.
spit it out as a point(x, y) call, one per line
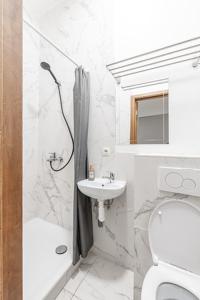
point(111, 176)
point(53, 157)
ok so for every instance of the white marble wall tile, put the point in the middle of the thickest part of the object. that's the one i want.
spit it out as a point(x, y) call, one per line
point(31, 46)
point(47, 194)
point(84, 31)
point(116, 237)
point(55, 189)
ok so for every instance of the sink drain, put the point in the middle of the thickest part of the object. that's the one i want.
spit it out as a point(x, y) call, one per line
point(61, 249)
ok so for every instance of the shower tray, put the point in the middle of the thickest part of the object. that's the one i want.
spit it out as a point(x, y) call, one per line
point(44, 272)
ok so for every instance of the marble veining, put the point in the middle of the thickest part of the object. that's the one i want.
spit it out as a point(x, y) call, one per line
point(85, 33)
point(47, 194)
point(83, 30)
point(99, 278)
point(31, 44)
point(146, 197)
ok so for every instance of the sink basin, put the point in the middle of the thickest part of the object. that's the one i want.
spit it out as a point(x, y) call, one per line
point(101, 188)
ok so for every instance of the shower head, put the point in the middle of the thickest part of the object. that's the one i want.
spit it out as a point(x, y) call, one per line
point(44, 65)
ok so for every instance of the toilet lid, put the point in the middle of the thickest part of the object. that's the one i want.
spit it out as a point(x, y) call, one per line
point(174, 234)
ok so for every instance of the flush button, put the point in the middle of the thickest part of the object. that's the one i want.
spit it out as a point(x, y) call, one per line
point(179, 180)
point(174, 180)
point(189, 184)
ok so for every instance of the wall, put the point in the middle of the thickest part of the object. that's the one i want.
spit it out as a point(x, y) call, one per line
point(144, 25)
point(154, 31)
point(31, 45)
point(139, 27)
point(84, 32)
point(42, 188)
point(116, 238)
point(46, 194)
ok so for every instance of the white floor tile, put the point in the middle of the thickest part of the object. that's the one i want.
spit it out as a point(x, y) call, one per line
point(81, 273)
point(99, 279)
point(106, 281)
point(64, 295)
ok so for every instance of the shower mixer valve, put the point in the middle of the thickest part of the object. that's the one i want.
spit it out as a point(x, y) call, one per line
point(53, 157)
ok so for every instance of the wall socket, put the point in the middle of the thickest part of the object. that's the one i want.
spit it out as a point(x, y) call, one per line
point(106, 151)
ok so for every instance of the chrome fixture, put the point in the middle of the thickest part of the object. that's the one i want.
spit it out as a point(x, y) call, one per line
point(44, 65)
point(148, 61)
point(111, 176)
point(50, 42)
point(103, 191)
point(144, 84)
point(61, 249)
point(53, 157)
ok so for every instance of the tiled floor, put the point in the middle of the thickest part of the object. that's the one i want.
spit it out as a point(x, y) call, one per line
point(99, 279)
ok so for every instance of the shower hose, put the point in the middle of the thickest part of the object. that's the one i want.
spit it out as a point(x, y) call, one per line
point(70, 133)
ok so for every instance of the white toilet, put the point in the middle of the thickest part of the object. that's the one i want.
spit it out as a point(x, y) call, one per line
point(174, 237)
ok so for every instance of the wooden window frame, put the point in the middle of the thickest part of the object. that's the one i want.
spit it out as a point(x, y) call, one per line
point(134, 111)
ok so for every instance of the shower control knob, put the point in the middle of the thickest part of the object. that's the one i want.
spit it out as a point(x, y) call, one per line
point(52, 156)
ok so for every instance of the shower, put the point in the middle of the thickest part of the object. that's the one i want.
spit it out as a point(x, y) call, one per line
point(47, 67)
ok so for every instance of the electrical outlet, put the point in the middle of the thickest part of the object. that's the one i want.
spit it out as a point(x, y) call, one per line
point(106, 151)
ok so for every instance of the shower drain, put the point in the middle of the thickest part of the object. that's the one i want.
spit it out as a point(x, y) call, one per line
point(61, 249)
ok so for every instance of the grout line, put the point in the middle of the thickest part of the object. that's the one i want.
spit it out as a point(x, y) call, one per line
point(74, 294)
point(76, 298)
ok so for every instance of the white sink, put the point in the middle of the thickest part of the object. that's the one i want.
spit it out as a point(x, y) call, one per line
point(102, 189)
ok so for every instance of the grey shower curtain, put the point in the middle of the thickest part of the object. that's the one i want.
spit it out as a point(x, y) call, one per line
point(82, 224)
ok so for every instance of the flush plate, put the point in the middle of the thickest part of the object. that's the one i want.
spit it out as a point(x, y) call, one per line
point(179, 180)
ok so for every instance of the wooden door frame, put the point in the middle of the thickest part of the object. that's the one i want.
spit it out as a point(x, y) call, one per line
point(134, 111)
point(11, 150)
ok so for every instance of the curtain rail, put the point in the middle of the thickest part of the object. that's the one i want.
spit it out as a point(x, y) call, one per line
point(50, 42)
point(156, 62)
point(157, 67)
point(121, 68)
point(154, 51)
point(154, 57)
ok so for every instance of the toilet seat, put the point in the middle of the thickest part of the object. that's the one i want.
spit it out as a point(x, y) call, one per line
point(174, 231)
point(164, 273)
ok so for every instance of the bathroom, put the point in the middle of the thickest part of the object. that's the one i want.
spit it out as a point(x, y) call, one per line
point(100, 155)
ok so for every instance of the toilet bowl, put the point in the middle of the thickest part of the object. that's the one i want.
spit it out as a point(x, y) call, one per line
point(174, 238)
